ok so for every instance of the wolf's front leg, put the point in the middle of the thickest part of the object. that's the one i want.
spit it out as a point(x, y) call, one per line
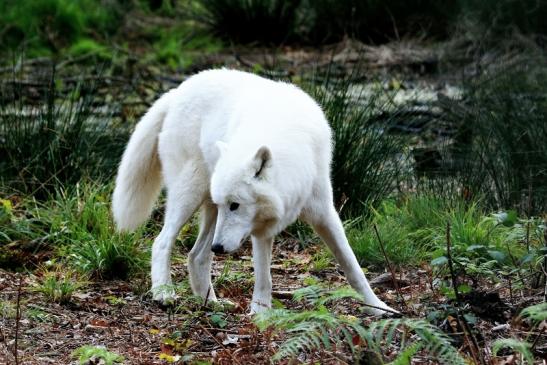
point(185, 193)
point(262, 259)
point(201, 256)
point(162, 290)
point(331, 230)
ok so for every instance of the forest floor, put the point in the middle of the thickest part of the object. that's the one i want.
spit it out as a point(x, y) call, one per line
point(121, 316)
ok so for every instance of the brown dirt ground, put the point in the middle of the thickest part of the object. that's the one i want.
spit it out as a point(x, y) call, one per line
point(121, 316)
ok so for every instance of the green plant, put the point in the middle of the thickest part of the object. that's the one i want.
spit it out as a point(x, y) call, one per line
point(481, 245)
point(86, 353)
point(497, 153)
point(77, 224)
point(404, 226)
point(7, 309)
point(366, 159)
point(320, 328)
point(109, 258)
point(321, 260)
point(58, 285)
point(536, 314)
point(48, 26)
point(58, 143)
point(232, 278)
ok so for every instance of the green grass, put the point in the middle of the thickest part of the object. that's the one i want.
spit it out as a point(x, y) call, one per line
point(57, 143)
point(92, 246)
point(498, 153)
point(76, 224)
point(413, 230)
point(45, 27)
point(404, 229)
point(366, 159)
point(58, 285)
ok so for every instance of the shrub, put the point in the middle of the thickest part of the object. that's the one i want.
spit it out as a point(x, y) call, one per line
point(366, 159)
point(376, 21)
point(58, 285)
point(498, 153)
point(246, 21)
point(58, 143)
point(528, 16)
point(319, 328)
point(45, 26)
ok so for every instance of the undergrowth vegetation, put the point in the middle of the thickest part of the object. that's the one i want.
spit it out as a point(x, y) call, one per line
point(498, 153)
point(76, 224)
point(58, 142)
point(366, 159)
point(319, 22)
point(319, 327)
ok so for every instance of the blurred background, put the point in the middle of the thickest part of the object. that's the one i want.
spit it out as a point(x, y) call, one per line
point(458, 86)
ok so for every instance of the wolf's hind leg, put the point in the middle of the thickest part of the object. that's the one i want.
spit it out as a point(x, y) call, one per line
point(330, 229)
point(185, 193)
point(262, 259)
point(201, 256)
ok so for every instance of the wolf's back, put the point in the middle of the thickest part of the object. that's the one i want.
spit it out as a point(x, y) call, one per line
point(138, 182)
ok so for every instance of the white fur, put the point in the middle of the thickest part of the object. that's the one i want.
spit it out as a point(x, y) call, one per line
point(225, 137)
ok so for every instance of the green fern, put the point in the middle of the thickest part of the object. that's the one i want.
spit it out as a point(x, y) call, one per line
point(536, 313)
point(405, 357)
point(521, 347)
point(318, 328)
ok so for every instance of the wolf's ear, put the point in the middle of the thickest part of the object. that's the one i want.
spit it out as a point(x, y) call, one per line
point(262, 161)
point(222, 147)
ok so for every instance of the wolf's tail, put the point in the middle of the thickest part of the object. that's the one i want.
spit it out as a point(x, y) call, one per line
point(139, 175)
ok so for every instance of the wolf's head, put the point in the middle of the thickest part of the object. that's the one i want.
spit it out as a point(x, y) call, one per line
point(241, 189)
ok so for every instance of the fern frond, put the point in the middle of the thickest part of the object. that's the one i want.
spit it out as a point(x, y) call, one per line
point(316, 295)
point(405, 357)
point(318, 328)
point(536, 313)
point(435, 342)
point(518, 346)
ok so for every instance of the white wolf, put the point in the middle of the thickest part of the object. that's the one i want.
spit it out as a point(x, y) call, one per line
point(255, 155)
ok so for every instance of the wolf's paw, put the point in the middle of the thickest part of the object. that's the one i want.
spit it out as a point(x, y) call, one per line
point(164, 294)
point(382, 310)
point(258, 307)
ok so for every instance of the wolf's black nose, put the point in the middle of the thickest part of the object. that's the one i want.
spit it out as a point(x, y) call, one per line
point(217, 248)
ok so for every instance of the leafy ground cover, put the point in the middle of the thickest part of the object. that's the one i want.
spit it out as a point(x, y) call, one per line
point(70, 295)
point(120, 316)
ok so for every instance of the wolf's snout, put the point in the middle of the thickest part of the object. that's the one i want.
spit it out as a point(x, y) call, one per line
point(217, 248)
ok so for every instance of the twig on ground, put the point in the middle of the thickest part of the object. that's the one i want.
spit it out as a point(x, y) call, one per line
point(219, 343)
point(206, 298)
point(392, 271)
point(17, 321)
point(475, 349)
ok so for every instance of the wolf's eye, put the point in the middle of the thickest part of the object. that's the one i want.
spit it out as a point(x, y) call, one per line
point(234, 206)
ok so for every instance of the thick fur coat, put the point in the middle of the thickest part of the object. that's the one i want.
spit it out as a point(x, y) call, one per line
point(254, 155)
